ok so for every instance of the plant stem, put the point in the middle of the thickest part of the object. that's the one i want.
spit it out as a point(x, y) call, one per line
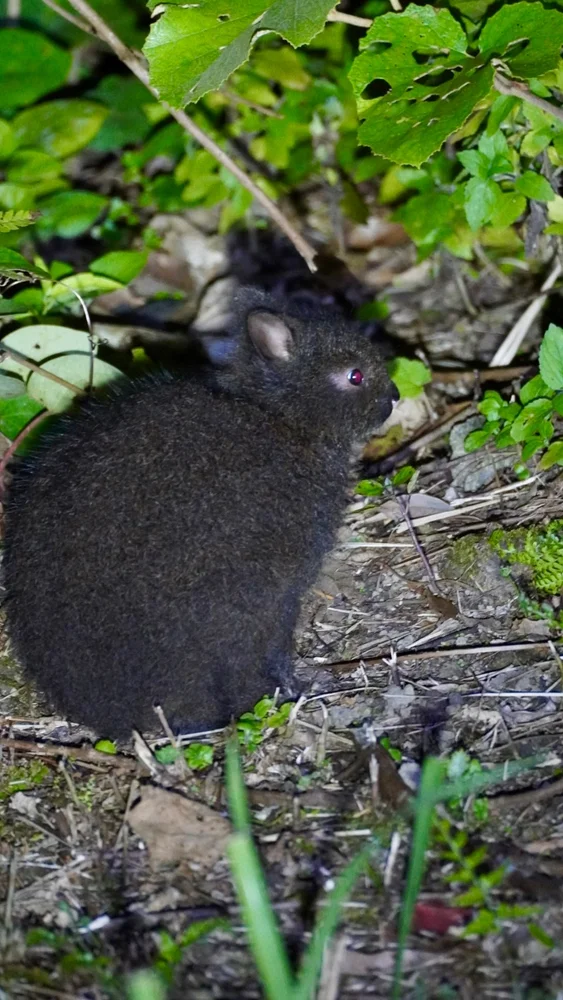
point(136, 63)
point(515, 88)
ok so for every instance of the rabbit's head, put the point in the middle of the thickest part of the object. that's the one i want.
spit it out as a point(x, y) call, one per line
point(315, 369)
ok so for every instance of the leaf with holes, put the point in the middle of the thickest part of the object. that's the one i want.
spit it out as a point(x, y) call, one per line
point(193, 48)
point(416, 82)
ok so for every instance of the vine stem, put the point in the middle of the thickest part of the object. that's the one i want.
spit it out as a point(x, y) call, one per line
point(135, 62)
point(14, 445)
point(515, 88)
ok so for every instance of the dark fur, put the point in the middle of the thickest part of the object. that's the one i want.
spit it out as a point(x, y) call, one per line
point(158, 547)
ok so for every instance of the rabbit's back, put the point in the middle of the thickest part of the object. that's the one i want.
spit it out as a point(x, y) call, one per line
point(156, 552)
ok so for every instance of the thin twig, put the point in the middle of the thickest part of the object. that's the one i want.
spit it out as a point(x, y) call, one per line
point(237, 99)
point(14, 445)
point(513, 340)
point(357, 22)
point(22, 360)
point(86, 754)
point(9, 905)
point(404, 505)
point(77, 21)
point(515, 88)
point(533, 795)
point(134, 61)
point(348, 666)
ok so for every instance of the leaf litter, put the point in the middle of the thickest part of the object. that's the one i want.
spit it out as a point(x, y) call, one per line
point(117, 851)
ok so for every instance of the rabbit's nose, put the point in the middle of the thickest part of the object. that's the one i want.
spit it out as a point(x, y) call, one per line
point(395, 395)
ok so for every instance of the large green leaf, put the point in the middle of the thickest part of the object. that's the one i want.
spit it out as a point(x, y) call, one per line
point(40, 342)
point(422, 56)
point(121, 265)
point(16, 413)
point(70, 213)
point(551, 357)
point(30, 66)
point(7, 140)
point(60, 128)
point(74, 368)
point(192, 49)
point(127, 122)
point(13, 264)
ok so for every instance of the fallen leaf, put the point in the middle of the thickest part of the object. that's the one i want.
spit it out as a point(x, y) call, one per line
point(438, 919)
point(175, 828)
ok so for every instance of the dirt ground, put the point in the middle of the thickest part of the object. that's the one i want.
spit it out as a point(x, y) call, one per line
point(424, 643)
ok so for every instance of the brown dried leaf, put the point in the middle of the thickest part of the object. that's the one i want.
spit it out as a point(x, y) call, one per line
point(175, 828)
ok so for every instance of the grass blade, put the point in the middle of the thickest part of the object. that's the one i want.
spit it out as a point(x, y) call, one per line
point(263, 932)
point(430, 784)
point(326, 925)
point(264, 935)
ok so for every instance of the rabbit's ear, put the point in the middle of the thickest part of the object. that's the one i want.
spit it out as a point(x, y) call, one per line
point(270, 335)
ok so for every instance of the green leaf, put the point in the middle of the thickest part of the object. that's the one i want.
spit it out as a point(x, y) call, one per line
point(27, 165)
point(121, 265)
point(40, 342)
point(192, 49)
point(74, 368)
point(16, 413)
point(60, 128)
point(7, 140)
point(30, 66)
point(105, 746)
point(553, 455)
point(491, 404)
point(402, 50)
point(10, 387)
point(508, 207)
point(530, 419)
point(535, 186)
point(199, 756)
point(532, 445)
point(369, 488)
point(551, 357)
point(12, 263)
point(70, 213)
point(475, 162)
point(403, 476)
point(476, 439)
point(500, 110)
point(533, 389)
point(127, 123)
point(481, 197)
point(11, 221)
point(422, 55)
point(167, 755)
point(145, 984)
point(409, 376)
point(16, 197)
point(283, 66)
point(540, 27)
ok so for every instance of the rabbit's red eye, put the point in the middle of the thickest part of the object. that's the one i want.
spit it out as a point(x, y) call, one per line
point(355, 376)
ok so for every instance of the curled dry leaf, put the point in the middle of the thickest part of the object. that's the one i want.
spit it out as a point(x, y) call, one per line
point(175, 828)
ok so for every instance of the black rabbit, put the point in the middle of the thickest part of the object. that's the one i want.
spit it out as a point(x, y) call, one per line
point(157, 549)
